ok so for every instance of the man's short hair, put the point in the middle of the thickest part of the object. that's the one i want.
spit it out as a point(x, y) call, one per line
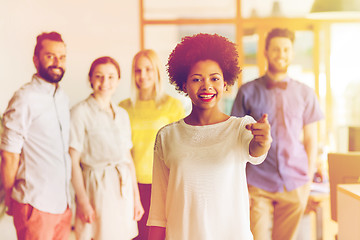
point(54, 36)
point(279, 32)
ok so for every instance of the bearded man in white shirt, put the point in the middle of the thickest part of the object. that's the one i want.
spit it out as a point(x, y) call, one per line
point(35, 166)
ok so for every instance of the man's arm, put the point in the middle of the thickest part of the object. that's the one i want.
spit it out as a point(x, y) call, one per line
point(8, 169)
point(156, 233)
point(310, 144)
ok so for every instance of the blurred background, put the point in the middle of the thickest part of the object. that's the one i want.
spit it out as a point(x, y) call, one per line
point(326, 47)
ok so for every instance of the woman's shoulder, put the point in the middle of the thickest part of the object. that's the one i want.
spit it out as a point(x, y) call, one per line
point(120, 110)
point(80, 106)
point(82, 111)
point(171, 127)
point(171, 102)
point(168, 98)
point(126, 103)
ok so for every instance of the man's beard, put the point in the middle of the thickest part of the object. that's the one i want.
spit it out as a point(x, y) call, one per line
point(48, 75)
point(273, 69)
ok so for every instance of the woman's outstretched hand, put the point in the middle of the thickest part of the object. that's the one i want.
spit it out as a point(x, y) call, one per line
point(261, 141)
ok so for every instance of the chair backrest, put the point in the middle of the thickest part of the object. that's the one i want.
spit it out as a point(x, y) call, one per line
point(343, 168)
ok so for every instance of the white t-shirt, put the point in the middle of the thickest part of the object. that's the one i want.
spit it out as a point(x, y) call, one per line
point(199, 186)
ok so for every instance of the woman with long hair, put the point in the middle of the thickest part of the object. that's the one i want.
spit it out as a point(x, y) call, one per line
point(149, 109)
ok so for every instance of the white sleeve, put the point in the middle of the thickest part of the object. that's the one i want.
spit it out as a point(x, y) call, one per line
point(16, 123)
point(157, 213)
point(77, 129)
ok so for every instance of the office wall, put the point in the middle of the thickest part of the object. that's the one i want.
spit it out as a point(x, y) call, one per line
point(90, 29)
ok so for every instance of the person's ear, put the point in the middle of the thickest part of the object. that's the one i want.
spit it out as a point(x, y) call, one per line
point(265, 53)
point(225, 86)
point(91, 85)
point(184, 88)
point(36, 61)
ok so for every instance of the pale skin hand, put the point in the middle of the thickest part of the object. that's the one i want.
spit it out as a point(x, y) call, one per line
point(261, 142)
point(8, 169)
point(84, 209)
point(138, 208)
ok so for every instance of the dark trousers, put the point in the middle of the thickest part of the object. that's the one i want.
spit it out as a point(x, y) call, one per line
point(145, 196)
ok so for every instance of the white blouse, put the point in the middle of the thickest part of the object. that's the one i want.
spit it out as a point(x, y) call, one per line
point(100, 138)
point(199, 186)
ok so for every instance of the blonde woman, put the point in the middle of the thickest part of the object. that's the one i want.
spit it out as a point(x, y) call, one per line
point(149, 109)
point(107, 197)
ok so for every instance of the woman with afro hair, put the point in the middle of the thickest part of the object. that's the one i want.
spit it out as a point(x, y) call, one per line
point(199, 186)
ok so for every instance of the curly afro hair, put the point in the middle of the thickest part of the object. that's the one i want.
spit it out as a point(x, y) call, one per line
point(193, 49)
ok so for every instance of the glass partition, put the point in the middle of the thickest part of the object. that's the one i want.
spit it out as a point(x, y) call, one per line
point(345, 81)
point(174, 9)
point(275, 8)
